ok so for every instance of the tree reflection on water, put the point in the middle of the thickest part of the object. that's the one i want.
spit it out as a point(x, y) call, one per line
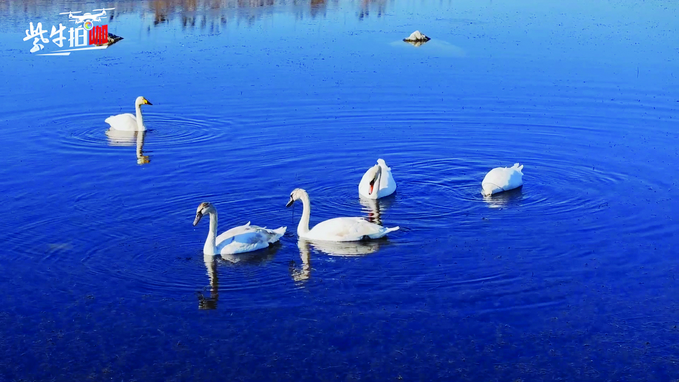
point(190, 13)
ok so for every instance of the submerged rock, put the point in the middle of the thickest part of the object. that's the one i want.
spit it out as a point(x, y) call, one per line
point(417, 36)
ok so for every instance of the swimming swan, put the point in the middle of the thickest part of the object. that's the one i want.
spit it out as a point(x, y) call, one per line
point(502, 179)
point(127, 121)
point(245, 238)
point(377, 182)
point(337, 229)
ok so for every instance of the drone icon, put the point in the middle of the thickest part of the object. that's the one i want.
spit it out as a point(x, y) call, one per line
point(87, 16)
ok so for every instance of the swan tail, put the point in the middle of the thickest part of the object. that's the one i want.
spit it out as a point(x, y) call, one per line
point(518, 167)
point(382, 233)
point(276, 234)
point(392, 229)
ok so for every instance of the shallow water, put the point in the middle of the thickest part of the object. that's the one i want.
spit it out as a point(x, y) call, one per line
point(572, 277)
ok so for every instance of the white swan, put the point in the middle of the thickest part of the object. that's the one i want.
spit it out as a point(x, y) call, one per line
point(502, 179)
point(377, 182)
point(337, 229)
point(245, 238)
point(127, 121)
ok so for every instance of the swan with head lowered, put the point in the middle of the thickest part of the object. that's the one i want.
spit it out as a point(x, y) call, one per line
point(377, 182)
point(337, 229)
point(502, 179)
point(127, 121)
point(245, 238)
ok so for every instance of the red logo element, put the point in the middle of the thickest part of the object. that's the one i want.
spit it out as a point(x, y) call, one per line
point(98, 35)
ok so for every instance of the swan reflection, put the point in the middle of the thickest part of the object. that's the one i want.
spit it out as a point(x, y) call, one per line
point(210, 302)
point(374, 208)
point(504, 199)
point(347, 248)
point(304, 273)
point(333, 248)
point(253, 258)
point(129, 138)
point(211, 262)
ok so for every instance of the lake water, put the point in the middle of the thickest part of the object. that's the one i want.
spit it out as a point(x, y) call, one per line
point(572, 277)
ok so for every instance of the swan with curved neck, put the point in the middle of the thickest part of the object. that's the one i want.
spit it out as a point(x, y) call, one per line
point(127, 121)
point(337, 229)
point(245, 238)
point(377, 182)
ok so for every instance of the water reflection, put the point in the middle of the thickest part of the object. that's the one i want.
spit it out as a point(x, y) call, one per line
point(210, 302)
point(505, 199)
point(211, 263)
point(416, 44)
point(259, 257)
point(129, 138)
point(203, 14)
point(348, 248)
point(374, 208)
point(304, 273)
point(378, 6)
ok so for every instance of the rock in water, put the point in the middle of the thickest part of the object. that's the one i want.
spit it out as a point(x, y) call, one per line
point(112, 39)
point(417, 36)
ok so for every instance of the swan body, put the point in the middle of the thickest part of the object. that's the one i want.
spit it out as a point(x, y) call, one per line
point(245, 238)
point(502, 179)
point(337, 229)
point(127, 121)
point(377, 182)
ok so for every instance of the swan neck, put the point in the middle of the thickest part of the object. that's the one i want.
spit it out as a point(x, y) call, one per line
point(140, 119)
point(303, 226)
point(210, 242)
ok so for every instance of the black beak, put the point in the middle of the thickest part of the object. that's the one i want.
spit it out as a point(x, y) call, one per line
point(199, 215)
point(290, 202)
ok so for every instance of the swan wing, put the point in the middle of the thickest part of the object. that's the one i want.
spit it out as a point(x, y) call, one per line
point(232, 232)
point(247, 238)
point(124, 122)
point(387, 183)
point(347, 229)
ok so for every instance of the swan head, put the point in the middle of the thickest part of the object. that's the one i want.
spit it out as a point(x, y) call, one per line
point(204, 208)
point(296, 194)
point(374, 173)
point(142, 101)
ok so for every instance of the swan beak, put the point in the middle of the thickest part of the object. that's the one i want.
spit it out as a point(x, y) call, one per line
point(198, 217)
point(146, 102)
point(290, 202)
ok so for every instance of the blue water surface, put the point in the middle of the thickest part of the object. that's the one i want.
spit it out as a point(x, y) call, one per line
point(571, 278)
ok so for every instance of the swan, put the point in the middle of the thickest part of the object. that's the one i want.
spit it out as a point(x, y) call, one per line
point(337, 229)
point(502, 179)
point(377, 182)
point(245, 238)
point(127, 121)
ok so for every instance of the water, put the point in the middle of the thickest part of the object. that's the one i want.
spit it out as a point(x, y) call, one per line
point(572, 277)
